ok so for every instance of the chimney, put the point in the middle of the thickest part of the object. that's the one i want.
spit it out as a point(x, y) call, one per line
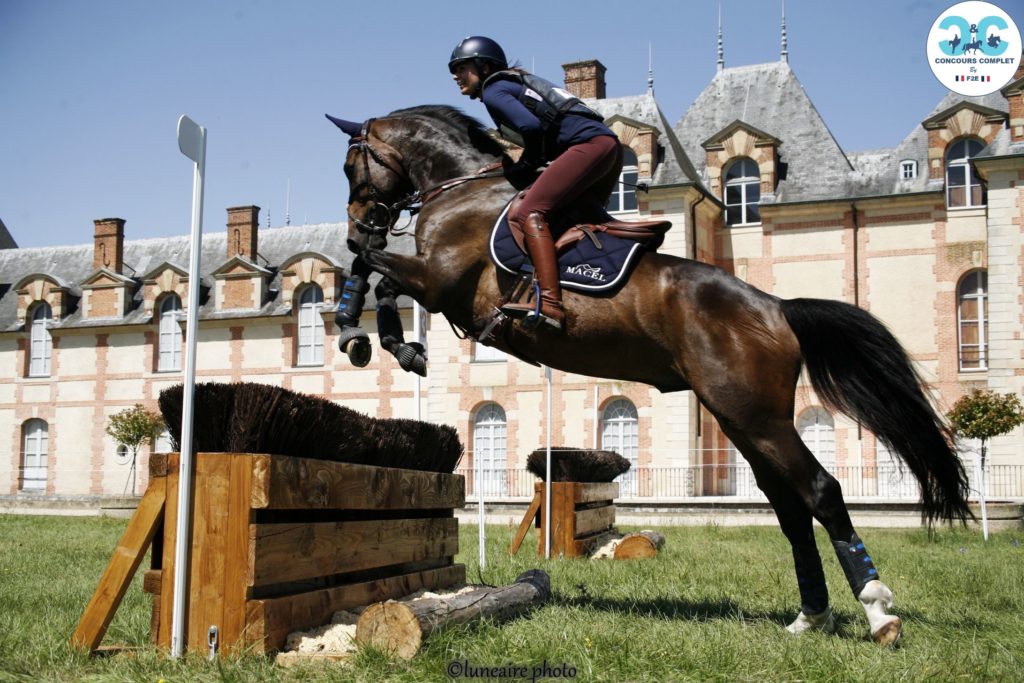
point(585, 79)
point(243, 225)
point(108, 244)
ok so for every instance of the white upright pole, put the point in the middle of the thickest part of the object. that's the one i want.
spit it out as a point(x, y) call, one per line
point(417, 333)
point(192, 143)
point(481, 534)
point(979, 463)
point(547, 469)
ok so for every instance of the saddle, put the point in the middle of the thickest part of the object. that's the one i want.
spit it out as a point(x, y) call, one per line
point(590, 220)
point(595, 253)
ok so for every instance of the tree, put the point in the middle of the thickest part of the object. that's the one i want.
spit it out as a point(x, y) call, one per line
point(983, 414)
point(133, 427)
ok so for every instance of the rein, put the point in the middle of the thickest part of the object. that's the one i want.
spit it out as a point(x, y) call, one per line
point(383, 217)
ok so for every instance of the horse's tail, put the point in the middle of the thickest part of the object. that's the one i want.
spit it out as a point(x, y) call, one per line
point(857, 367)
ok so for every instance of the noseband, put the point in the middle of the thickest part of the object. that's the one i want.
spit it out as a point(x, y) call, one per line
point(380, 217)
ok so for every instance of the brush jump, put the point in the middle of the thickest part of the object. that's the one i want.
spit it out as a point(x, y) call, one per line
point(676, 324)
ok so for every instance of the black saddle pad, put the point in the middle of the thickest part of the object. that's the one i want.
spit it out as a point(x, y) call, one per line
point(583, 267)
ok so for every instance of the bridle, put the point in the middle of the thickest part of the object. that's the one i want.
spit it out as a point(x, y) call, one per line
point(381, 218)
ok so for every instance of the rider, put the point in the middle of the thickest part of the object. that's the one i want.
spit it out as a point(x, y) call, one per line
point(554, 128)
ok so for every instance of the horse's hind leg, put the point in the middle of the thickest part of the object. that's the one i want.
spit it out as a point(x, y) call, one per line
point(797, 525)
point(782, 450)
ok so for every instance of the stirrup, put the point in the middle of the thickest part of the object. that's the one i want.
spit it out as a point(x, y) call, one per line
point(532, 316)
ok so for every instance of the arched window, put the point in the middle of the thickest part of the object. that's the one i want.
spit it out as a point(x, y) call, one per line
point(972, 320)
point(311, 326)
point(818, 431)
point(742, 192)
point(169, 343)
point(963, 186)
point(33, 457)
point(620, 433)
point(40, 341)
point(489, 449)
point(624, 195)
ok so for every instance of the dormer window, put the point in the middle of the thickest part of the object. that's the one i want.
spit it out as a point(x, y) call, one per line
point(908, 169)
point(963, 186)
point(40, 341)
point(742, 193)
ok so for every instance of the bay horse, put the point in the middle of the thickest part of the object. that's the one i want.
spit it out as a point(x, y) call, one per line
point(677, 324)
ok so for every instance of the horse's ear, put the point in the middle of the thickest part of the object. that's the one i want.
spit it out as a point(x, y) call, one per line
point(351, 128)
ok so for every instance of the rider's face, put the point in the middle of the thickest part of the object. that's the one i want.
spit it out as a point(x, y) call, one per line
point(467, 78)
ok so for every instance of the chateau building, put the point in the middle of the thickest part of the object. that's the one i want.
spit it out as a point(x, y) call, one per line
point(927, 236)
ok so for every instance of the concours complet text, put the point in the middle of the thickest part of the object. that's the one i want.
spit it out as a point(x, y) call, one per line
point(463, 668)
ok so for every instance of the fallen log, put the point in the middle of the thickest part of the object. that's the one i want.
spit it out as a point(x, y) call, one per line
point(399, 628)
point(639, 545)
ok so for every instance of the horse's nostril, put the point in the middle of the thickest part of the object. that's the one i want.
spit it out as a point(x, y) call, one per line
point(354, 247)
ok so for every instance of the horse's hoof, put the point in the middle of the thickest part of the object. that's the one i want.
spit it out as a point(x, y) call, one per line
point(356, 343)
point(824, 622)
point(411, 358)
point(889, 633)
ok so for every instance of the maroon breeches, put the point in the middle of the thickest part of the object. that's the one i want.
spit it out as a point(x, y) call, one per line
point(590, 167)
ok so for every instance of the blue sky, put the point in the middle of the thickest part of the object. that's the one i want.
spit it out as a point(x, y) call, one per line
point(91, 91)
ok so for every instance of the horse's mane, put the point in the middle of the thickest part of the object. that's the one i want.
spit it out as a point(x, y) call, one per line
point(478, 135)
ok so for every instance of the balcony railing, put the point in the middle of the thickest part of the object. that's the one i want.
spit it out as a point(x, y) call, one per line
point(737, 482)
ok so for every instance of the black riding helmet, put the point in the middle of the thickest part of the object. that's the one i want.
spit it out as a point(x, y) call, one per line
point(478, 48)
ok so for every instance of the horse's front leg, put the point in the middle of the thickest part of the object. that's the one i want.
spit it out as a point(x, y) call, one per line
point(411, 357)
point(409, 273)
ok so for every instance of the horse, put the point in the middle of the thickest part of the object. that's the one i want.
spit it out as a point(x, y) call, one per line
point(676, 324)
point(974, 45)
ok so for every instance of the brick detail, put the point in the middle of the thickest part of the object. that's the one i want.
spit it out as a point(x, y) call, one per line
point(243, 227)
point(237, 293)
point(108, 244)
point(585, 79)
point(742, 143)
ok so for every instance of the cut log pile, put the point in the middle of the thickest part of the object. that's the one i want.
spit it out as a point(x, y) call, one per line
point(399, 627)
point(633, 546)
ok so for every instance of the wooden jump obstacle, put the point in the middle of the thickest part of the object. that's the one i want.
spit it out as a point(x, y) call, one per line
point(581, 516)
point(279, 544)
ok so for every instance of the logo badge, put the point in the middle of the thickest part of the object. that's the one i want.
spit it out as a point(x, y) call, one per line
point(974, 48)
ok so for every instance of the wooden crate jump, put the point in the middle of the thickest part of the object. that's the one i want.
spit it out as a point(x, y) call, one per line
point(581, 515)
point(279, 544)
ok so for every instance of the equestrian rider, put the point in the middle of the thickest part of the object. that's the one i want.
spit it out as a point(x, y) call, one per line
point(554, 128)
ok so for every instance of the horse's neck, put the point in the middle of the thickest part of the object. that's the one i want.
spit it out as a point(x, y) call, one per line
point(432, 157)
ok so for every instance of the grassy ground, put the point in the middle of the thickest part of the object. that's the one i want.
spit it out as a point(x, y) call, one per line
point(712, 606)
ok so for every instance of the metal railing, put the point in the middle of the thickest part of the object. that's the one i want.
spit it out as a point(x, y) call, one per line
point(881, 482)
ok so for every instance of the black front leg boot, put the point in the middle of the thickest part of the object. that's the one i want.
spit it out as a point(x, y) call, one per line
point(352, 339)
point(353, 298)
point(411, 356)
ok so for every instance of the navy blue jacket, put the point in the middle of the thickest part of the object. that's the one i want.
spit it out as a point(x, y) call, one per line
point(502, 99)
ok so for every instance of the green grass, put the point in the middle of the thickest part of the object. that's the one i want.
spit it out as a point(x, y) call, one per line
point(712, 606)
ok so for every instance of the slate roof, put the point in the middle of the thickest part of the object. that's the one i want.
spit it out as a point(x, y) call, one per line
point(73, 264)
point(675, 168)
point(769, 97)
point(1002, 146)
